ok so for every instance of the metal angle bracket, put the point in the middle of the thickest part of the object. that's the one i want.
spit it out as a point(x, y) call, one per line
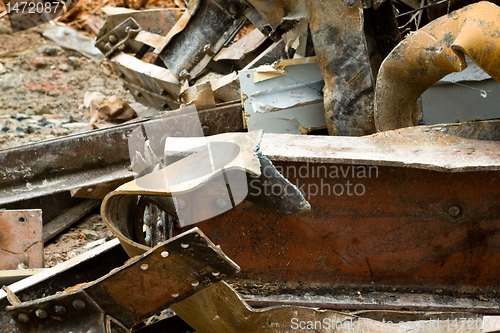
point(111, 41)
point(175, 270)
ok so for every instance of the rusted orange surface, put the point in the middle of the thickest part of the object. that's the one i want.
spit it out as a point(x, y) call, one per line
point(400, 231)
point(21, 239)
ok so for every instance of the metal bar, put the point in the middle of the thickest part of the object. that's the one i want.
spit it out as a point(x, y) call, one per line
point(10, 276)
point(339, 40)
point(428, 55)
point(68, 218)
point(87, 159)
point(174, 269)
point(381, 301)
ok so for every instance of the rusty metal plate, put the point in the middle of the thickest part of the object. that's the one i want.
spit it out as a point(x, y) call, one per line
point(158, 21)
point(371, 226)
point(75, 312)
point(21, 239)
point(144, 286)
point(350, 44)
point(83, 268)
point(213, 24)
point(339, 40)
point(157, 79)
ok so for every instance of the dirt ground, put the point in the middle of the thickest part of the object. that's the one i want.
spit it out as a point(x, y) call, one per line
point(84, 236)
point(42, 87)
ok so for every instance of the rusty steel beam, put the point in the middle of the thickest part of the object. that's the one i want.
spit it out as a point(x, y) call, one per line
point(429, 54)
point(398, 227)
point(380, 300)
point(68, 218)
point(83, 268)
point(89, 159)
point(142, 287)
point(413, 209)
point(220, 309)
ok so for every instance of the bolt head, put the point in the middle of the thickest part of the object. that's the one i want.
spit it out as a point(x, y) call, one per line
point(79, 304)
point(41, 313)
point(454, 211)
point(23, 317)
point(60, 309)
point(113, 39)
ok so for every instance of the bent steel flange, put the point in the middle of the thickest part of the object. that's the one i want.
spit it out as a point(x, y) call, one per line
point(220, 309)
point(431, 53)
point(129, 294)
point(199, 180)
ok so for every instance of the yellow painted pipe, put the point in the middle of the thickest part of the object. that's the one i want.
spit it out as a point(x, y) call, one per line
point(431, 53)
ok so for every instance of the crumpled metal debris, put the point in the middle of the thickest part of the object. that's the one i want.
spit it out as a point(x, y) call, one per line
point(349, 54)
point(117, 301)
point(105, 112)
point(285, 97)
point(429, 54)
point(71, 39)
point(209, 181)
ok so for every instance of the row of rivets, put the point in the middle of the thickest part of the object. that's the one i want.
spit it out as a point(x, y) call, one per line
point(58, 309)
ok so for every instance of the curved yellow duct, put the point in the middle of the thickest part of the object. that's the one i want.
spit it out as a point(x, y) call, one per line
point(431, 53)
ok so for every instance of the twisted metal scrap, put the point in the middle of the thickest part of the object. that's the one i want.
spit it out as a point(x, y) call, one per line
point(431, 53)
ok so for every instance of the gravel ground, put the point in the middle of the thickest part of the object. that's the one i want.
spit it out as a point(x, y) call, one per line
point(42, 87)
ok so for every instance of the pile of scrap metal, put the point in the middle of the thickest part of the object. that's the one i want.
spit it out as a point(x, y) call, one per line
point(401, 227)
point(172, 57)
